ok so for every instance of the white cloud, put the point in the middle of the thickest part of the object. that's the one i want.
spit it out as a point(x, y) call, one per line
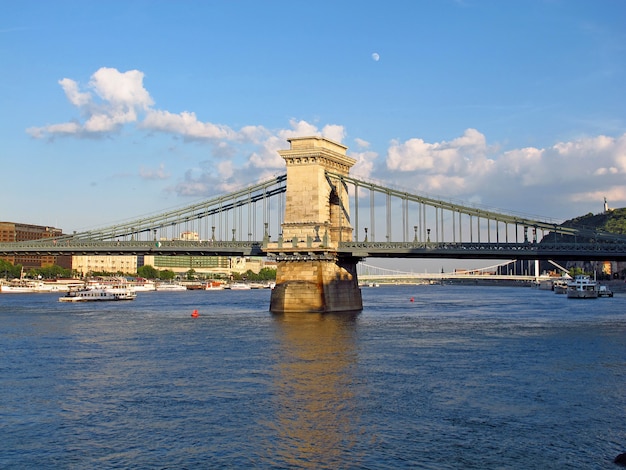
point(266, 155)
point(121, 89)
point(70, 87)
point(364, 166)
point(154, 174)
point(469, 169)
point(225, 169)
point(466, 167)
point(192, 186)
point(66, 128)
point(113, 99)
point(185, 124)
point(298, 129)
point(334, 132)
point(466, 154)
point(253, 134)
point(362, 143)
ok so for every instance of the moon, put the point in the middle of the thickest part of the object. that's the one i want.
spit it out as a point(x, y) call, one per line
point(375, 57)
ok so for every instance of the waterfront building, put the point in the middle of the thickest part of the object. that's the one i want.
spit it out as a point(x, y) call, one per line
point(205, 265)
point(85, 265)
point(189, 236)
point(17, 232)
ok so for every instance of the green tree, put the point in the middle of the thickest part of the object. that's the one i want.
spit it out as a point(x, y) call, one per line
point(147, 271)
point(167, 275)
point(265, 274)
point(268, 274)
point(617, 221)
point(52, 272)
point(8, 271)
point(575, 271)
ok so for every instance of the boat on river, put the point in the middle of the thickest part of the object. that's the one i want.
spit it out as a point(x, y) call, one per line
point(99, 294)
point(238, 286)
point(139, 284)
point(29, 286)
point(559, 286)
point(604, 291)
point(582, 287)
point(213, 285)
point(22, 286)
point(542, 282)
point(170, 287)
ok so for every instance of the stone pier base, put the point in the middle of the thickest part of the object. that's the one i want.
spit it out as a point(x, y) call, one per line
point(316, 286)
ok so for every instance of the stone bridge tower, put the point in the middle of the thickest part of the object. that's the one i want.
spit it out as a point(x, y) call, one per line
point(311, 276)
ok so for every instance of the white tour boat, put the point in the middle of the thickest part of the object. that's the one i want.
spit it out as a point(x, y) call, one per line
point(238, 286)
point(27, 286)
point(99, 293)
point(582, 287)
point(140, 284)
point(170, 286)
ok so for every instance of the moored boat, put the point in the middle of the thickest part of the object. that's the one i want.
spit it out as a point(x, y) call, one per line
point(21, 286)
point(604, 291)
point(559, 286)
point(140, 284)
point(28, 286)
point(170, 286)
point(542, 282)
point(213, 285)
point(195, 286)
point(238, 286)
point(582, 287)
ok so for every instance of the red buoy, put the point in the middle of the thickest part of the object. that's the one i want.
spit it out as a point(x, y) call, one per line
point(412, 299)
point(195, 314)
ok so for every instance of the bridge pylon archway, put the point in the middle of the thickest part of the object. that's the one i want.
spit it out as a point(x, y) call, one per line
point(311, 276)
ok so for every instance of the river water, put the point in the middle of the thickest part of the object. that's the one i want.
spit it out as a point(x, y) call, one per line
point(459, 377)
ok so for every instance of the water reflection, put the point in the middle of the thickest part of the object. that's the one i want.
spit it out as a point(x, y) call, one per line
point(317, 419)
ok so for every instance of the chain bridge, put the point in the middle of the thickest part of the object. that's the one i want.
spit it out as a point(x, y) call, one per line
point(318, 213)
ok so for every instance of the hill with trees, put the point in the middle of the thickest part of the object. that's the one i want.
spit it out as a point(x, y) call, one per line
point(611, 222)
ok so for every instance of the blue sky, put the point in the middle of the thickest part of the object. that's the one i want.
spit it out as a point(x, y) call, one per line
point(110, 110)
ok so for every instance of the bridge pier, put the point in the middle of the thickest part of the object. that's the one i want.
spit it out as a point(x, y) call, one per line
point(316, 285)
point(310, 275)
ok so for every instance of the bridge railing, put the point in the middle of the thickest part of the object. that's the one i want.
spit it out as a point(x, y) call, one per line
point(98, 247)
point(557, 251)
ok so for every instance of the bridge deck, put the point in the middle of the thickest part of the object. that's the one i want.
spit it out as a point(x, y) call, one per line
point(561, 251)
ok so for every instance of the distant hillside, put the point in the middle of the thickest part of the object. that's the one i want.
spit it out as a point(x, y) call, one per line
point(613, 221)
